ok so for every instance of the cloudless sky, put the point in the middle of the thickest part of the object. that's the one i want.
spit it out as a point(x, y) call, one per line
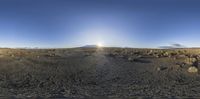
point(123, 23)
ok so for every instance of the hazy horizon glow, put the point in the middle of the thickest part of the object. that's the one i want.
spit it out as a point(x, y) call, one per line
point(118, 23)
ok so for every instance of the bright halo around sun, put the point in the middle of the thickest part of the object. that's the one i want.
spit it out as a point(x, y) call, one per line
point(99, 44)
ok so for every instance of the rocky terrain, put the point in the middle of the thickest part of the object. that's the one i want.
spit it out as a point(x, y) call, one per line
point(99, 72)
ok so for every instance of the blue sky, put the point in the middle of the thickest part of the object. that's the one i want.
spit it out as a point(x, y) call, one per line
point(123, 23)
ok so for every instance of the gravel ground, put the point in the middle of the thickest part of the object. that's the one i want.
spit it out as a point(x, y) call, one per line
point(99, 73)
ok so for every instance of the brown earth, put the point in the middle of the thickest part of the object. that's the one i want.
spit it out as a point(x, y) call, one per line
point(99, 72)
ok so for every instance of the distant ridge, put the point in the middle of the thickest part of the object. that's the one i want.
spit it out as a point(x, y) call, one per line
point(89, 46)
point(173, 46)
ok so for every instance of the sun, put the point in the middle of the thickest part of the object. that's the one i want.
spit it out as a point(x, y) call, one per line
point(99, 44)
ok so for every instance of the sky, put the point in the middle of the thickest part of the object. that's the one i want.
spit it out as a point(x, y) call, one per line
point(118, 23)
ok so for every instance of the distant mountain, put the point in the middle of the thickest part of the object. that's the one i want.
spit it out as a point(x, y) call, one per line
point(173, 46)
point(90, 46)
point(166, 47)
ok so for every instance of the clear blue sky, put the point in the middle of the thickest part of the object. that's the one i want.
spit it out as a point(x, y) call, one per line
point(71, 23)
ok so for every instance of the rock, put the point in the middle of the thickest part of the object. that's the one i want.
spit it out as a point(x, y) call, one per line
point(181, 64)
point(158, 69)
point(177, 66)
point(192, 69)
point(156, 56)
point(150, 52)
point(12, 55)
point(52, 55)
point(198, 57)
point(166, 54)
point(161, 68)
point(190, 61)
point(181, 56)
point(131, 59)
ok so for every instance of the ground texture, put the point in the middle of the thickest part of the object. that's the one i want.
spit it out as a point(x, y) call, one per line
point(99, 73)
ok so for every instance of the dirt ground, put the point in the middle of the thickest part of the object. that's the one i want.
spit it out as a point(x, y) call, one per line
point(116, 73)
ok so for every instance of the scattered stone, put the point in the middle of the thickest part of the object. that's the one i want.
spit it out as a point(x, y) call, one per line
point(131, 59)
point(165, 54)
point(181, 56)
point(12, 55)
point(190, 61)
point(150, 52)
point(177, 66)
point(157, 56)
point(158, 69)
point(180, 65)
point(52, 55)
point(198, 57)
point(192, 69)
point(161, 68)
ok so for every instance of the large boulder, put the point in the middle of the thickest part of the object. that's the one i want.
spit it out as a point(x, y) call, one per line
point(192, 69)
point(190, 61)
point(131, 59)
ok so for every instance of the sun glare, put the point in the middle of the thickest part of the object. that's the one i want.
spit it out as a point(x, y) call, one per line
point(99, 44)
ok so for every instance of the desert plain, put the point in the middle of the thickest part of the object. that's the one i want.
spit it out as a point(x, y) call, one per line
point(103, 73)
